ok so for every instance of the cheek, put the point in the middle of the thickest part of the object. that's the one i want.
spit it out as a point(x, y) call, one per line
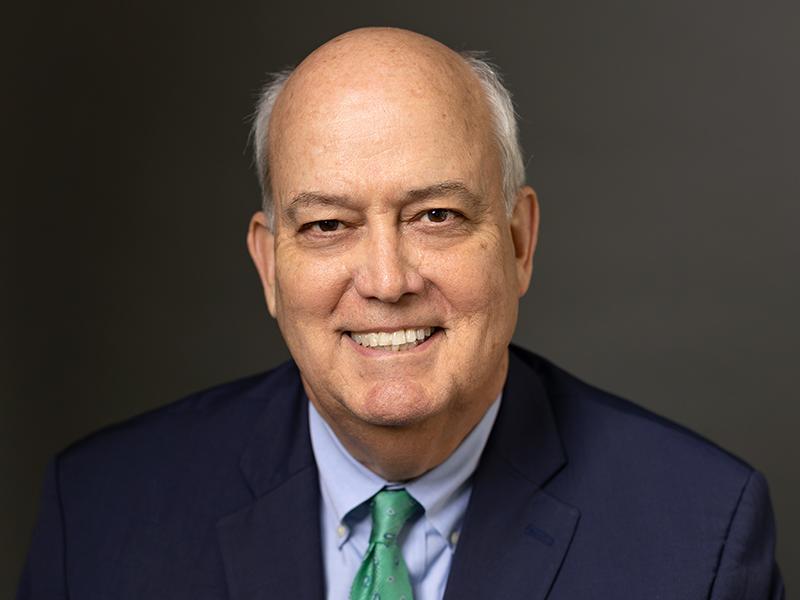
point(307, 290)
point(473, 278)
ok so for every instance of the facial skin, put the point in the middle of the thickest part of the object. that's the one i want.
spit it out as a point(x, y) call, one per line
point(389, 216)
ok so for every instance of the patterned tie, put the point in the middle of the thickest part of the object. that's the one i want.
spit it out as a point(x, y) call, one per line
point(383, 574)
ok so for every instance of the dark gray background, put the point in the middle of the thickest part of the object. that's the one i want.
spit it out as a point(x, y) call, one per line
point(663, 139)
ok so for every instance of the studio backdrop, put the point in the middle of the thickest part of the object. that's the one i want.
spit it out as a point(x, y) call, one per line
point(661, 137)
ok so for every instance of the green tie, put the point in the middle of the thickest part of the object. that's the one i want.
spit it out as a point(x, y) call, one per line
point(383, 574)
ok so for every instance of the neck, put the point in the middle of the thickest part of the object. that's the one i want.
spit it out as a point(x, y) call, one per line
point(402, 453)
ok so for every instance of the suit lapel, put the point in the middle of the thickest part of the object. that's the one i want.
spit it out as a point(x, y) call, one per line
point(515, 535)
point(272, 548)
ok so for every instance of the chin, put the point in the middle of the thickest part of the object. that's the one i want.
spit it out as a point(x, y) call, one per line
point(395, 404)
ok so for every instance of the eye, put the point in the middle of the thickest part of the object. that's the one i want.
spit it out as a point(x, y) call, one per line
point(325, 226)
point(438, 215)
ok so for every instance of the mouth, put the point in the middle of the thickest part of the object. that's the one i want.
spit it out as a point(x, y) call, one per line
point(393, 341)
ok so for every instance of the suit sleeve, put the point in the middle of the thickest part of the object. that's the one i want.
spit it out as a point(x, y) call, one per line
point(43, 576)
point(747, 568)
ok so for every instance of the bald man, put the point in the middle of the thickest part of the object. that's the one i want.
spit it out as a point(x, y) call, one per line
point(407, 451)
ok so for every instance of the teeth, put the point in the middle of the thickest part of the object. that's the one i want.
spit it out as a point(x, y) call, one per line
point(396, 341)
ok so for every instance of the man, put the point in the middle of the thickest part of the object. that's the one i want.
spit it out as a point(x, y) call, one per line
point(406, 452)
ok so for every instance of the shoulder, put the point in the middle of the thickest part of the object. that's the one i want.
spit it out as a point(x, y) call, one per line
point(208, 428)
point(600, 417)
point(618, 445)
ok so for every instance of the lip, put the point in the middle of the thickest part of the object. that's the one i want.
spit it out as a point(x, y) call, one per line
point(379, 353)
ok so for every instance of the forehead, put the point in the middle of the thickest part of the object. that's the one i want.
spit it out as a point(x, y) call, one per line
point(389, 122)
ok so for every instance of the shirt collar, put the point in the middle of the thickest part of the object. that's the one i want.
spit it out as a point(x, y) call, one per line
point(346, 484)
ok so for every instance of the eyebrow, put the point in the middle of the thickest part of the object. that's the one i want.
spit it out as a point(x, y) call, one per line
point(442, 188)
point(311, 200)
point(445, 188)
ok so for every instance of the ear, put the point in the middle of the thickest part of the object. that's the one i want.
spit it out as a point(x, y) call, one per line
point(524, 234)
point(261, 244)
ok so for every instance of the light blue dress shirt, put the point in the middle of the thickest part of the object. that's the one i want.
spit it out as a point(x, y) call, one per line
point(428, 542)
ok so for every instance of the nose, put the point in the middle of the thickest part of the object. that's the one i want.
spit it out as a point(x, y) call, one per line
point(387, 269)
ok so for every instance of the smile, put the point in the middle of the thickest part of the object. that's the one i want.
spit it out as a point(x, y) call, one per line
point(396, 341)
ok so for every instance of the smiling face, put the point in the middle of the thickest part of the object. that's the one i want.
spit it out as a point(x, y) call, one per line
point(393, 269)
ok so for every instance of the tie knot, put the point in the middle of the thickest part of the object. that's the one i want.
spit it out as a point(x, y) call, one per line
point(390, 511)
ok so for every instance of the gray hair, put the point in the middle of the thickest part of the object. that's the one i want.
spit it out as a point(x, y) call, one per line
point(501, 108)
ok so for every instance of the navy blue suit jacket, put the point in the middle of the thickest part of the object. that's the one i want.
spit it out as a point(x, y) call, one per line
point(578, 494)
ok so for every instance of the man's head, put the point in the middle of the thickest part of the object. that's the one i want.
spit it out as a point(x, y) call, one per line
point(397, 214)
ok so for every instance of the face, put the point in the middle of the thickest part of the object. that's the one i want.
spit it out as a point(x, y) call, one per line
point(393, 269)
